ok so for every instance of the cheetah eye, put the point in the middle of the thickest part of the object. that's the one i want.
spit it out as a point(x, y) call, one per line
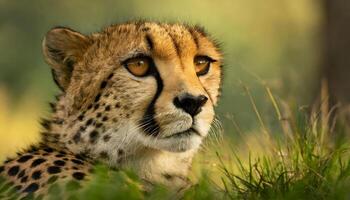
point(202, 64)
point(138, 66)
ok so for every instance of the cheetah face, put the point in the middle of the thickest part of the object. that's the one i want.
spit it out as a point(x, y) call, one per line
point(151, 84)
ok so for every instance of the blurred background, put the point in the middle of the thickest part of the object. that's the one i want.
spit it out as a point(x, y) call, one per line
point(276, 43)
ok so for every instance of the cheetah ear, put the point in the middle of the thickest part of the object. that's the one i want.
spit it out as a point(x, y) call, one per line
point(62, 48)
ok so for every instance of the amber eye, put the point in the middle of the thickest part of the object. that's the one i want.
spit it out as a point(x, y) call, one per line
point(202, 64)
point(138, 66)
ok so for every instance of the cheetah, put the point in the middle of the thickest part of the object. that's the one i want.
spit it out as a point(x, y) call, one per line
point(136, 95)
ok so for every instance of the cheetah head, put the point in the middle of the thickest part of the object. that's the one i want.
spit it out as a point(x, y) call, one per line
point(139, 84)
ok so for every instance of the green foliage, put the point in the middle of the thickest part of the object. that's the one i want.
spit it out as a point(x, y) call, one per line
point(7, 189)
point(299, 174)
point(311, 163)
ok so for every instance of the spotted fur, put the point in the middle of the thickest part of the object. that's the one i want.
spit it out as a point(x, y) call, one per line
point(107, 114)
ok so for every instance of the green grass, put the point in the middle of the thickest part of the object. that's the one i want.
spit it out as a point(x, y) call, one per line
point(302, 168)
point(309, 160)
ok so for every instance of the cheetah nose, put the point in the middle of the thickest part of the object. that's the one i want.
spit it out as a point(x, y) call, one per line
point(190, 104)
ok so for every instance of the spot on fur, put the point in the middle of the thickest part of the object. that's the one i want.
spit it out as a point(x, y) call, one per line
point(78, 175)
point(13, 170)
point(31, 188)
point(53, 170)
point(24, 158)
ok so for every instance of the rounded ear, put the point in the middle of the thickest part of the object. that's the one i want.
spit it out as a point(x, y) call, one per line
point(62, 48)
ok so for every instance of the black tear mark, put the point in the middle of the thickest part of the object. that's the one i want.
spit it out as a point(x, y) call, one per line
point(148, 122)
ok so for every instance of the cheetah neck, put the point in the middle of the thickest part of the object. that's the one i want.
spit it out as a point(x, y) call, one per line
point(168, 168)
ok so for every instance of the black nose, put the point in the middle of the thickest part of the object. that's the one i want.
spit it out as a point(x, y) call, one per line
point(190, 104)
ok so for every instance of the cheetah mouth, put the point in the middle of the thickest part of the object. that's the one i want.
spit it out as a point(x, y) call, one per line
point(187, 133)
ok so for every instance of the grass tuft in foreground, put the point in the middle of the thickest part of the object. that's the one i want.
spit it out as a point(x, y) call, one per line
point(310, 161)
point(302, 167)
